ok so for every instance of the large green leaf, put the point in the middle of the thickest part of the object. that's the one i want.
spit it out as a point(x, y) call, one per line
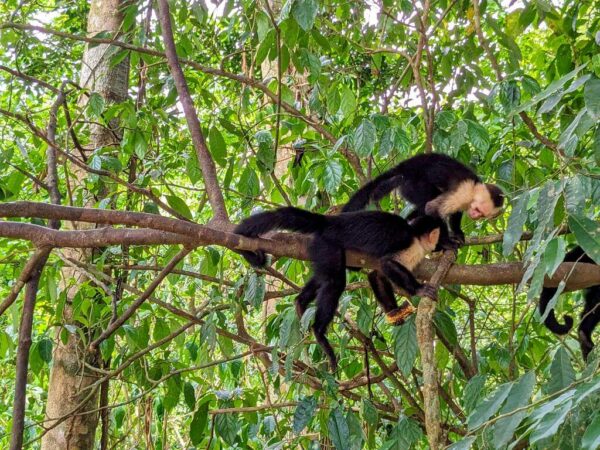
point(227, 426)
point(338, 429)
point(304, 413)
point(587, 232)
point(562, 373)
point(488, 407)
point(218, 148)
point(199, 424)
point(591, 93)
point(364, 138)
point(332, 175)
point(518, 397)
point(255, 290)
point(305, 12)
point(516, 221)
point(463, 444)
point(405, 345)
point(550, 423)
point(478, 136)
point(473, 391)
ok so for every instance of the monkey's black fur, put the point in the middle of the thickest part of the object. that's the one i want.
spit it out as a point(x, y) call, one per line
point(377, 234)
point(421, 179)
point(591, 311)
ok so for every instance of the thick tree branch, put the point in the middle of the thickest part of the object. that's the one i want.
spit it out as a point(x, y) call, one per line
point(290, 245)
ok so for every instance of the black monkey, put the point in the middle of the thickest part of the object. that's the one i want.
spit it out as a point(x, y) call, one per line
point(437, 185)
point(591, 311)
point(398, 245)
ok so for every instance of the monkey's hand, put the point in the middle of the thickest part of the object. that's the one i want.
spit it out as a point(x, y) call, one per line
point(428, 291)
point(399, 315)
point(453, 242)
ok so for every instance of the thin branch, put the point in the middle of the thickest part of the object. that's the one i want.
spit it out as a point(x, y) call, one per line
point(209, 171)
point(22, 363)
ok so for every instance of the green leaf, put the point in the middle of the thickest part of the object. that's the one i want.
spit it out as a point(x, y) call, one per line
point(45, 349)
point(140, 146)
point(445, 325)
point(227, 426)
point(338, 429)
point(218, 148)
point(587, 233)
point(591, 94)
point(591, 437)
point(516, 221)
point(364, 138)
point(405, 345)
point(369, 412)
point(192, 169)
point(171, 398)
point(510, 95)
point(478, 136)
point(180, 206)
point(305, 12)
point(304, 413)
point(550, 423)
point(249, 184)
point(332, 175)
point(95, 105)
point(189, 395)
point(472, 392)
point(347, 102)
point(575, 196)
point(254, 293)
point(554, 255)
point(562, 373)
point(488, 407)
point(518, 397)
point(463, 444)
point(445, 120)
point(119, 415)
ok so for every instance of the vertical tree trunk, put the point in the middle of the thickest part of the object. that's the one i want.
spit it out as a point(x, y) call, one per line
point(68, 376)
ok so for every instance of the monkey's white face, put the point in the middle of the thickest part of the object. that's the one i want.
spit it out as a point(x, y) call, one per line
point(482, 205)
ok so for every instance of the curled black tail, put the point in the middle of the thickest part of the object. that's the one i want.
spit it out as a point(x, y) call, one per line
point(551, 322)
point(288, 218)
point(374, 190)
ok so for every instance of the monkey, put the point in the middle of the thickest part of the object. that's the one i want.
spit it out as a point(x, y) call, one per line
point(397, 244)
point(590, 315)
point(438, 186)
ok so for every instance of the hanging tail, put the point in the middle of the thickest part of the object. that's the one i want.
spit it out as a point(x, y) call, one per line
point(288, 218)
point(551, 322)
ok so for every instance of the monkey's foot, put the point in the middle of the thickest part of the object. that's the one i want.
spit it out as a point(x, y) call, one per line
point(399, 315)
point(428, 291)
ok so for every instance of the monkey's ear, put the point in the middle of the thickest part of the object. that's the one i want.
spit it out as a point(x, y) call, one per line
point(434, 236)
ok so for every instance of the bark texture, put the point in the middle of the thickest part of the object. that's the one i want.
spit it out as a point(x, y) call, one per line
point(68, 376)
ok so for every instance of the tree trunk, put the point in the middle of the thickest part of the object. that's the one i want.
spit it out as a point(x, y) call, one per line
point(68, 376)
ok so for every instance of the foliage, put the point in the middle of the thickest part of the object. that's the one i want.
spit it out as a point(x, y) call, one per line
point(345, 69)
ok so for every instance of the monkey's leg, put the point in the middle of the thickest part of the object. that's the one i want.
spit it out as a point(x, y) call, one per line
point(384, 293)
point(330, 271)
point(306, 296)
point(589, 319)
point(404, 279)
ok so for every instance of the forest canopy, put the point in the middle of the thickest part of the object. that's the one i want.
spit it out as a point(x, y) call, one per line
point(134, 135)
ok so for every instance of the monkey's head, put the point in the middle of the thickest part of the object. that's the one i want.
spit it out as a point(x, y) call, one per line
point(487, 201)
point(427, 230)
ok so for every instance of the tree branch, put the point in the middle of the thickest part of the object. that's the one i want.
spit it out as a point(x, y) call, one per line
point(209, 171)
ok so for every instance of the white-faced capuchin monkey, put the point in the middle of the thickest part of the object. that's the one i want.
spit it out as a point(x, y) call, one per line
point(590, 316)
point(439, 186)
point(398, 245)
